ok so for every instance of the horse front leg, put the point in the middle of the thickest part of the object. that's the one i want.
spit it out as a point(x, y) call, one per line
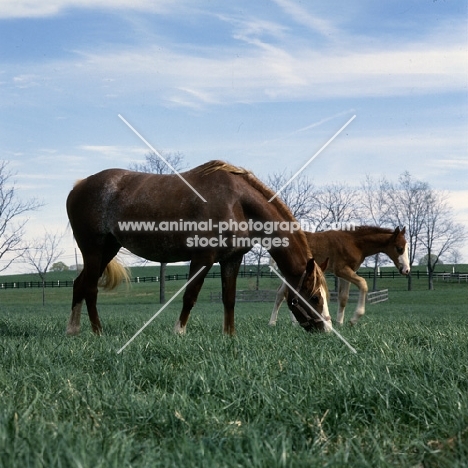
point(280, 296)
point(361, 305)
point(191, 292)
point(229, 272)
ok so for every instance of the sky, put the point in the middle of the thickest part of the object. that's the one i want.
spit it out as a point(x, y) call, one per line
point(263, 85)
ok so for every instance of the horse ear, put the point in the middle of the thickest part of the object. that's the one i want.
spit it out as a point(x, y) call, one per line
point(396, 231)
point(403, 230)
point(310, 266)
point(323, 266)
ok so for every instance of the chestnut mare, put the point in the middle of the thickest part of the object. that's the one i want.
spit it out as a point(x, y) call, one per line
point(346, 250)
point(101, 207)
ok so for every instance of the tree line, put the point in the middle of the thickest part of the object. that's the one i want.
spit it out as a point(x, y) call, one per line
point(432, 232)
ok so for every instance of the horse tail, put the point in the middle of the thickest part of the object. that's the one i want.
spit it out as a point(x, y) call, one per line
point(114, 274)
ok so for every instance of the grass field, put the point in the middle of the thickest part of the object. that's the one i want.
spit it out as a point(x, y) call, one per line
point(269, 397)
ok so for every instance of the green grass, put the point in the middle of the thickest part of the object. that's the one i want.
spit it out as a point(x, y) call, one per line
point(268, 397)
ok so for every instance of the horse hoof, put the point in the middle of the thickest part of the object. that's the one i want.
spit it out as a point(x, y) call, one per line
point(72, 331)
point(272, 324)
point(178, 329)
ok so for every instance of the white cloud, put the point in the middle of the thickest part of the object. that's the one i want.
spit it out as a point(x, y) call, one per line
point(273, 73)
point(264, 71)
point(121, 155)
point(302, 16)
point(36, 9)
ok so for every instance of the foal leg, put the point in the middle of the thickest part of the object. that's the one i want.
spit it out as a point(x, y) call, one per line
point(361, 306)
point(343, 295)
point(191, 293)
point(280, 296)
point(352, 277)
point(229, 272)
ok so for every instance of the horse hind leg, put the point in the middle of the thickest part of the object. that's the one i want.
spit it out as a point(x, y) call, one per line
point(73, 326)
point(85, 289)
point(343, 295)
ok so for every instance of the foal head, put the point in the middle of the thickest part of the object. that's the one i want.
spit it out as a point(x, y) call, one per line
point(398, 251)
point(309, 303)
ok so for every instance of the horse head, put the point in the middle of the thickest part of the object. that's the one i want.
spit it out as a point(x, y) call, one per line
point(309, 302)
point(398, 251)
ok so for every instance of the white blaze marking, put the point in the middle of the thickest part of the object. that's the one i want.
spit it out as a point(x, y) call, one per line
point(403, 261)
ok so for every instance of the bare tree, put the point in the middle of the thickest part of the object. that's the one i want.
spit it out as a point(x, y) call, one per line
point(407, 206)
point(374, 201)
point(42, 253)
point(298, 194)
point(12, 220)
point(454, 256)
point(335, 205)
point(374, 211)
point(440, 233)
point(155, 165)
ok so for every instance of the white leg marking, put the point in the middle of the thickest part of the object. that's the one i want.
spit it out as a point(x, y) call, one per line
point(343, 294)
point(73, 327)
point(361, 306)
point(293, 319)
point(280, 295)
point(327, 325)
point(178, 329)
point(340, 315)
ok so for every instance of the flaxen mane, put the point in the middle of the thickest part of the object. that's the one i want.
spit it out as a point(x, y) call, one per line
point(217, 165)
point(319, 279)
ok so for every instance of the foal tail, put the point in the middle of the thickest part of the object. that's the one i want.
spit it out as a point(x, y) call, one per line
point(113, 275)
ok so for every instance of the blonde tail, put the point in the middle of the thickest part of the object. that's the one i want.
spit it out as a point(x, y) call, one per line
point(113, 275)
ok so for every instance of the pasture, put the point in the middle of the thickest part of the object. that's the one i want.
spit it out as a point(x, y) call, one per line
point(276, 397)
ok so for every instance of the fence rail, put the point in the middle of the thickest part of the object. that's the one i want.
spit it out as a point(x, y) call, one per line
point(269, 295)
point(454, 277)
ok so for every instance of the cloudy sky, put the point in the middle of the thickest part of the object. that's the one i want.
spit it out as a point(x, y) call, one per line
point(261, 84)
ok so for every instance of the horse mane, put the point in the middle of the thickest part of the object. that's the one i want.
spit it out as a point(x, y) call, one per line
point(217, 165)
point(268, 193)
point(319, 279)
point(365, 229)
